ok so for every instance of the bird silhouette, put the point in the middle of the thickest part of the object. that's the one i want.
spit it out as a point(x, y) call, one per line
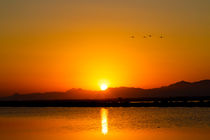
point(132, 36)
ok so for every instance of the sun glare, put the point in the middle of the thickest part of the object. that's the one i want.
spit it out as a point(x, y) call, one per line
point(103, 86)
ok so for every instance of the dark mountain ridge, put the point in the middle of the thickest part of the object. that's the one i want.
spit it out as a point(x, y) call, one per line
point(179, 89)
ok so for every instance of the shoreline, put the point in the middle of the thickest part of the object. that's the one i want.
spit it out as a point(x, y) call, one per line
point(102, 103)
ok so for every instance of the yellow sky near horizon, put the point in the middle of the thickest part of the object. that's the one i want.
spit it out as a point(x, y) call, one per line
point(57, 45)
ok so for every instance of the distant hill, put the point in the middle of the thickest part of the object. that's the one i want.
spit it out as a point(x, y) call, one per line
point(179, 89)
point(182, 89)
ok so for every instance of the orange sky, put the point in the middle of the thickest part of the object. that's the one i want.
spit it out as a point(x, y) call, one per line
point(57, 45)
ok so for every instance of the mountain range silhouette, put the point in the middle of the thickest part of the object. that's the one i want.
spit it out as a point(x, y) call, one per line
point(179, 89)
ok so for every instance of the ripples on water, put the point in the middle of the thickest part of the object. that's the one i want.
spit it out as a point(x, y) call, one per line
point(104, 123)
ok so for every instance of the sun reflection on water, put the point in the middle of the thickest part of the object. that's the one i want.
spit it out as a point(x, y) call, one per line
point(104, 121)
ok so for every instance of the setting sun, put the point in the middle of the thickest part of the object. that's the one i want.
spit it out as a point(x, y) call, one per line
point(104, 69)
point(103, 86)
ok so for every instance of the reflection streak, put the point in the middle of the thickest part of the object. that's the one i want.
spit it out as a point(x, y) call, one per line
point(104, 121)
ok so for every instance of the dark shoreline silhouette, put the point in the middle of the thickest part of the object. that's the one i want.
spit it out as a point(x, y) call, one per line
point(140, 102)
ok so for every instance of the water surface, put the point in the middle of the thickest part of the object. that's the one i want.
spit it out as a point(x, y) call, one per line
point(104, 123)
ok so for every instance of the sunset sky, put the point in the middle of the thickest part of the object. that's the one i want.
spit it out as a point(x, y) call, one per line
point(56, 45)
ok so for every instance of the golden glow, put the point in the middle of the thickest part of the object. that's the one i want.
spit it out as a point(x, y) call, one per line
point(103, 87)
point(70, 54)
point(104, 121)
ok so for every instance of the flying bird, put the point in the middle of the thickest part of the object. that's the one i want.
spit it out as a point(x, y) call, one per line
point(132, 36)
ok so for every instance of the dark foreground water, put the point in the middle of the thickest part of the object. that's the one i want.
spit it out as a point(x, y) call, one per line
point(104, 123)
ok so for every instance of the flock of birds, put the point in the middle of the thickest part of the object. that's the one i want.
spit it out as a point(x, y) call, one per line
point(147, 36)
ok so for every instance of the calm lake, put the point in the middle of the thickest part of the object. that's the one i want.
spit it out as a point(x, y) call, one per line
point(77, 123)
